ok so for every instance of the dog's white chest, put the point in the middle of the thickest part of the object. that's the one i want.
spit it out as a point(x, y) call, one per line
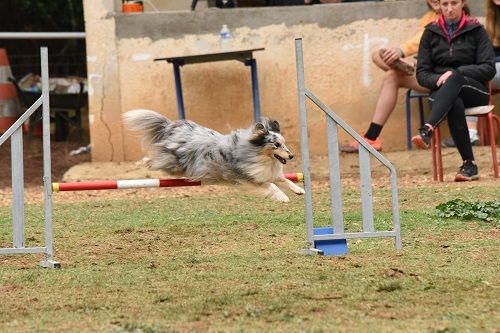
point(266, 170)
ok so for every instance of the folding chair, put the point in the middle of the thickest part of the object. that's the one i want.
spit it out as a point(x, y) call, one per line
point(419, 96)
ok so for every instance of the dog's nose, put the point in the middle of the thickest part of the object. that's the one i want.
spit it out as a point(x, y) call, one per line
point(290, 156)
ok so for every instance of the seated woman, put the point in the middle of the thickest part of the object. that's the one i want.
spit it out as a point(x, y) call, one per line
point(455, 62)
point(492, 26)
point(398, 64)
point(493, 29)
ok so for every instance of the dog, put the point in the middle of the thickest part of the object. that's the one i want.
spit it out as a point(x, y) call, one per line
point(252, 157)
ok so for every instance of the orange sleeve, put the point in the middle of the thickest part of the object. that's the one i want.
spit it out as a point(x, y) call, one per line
point(410, 47)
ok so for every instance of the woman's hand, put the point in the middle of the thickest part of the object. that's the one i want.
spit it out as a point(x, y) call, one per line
point(442, 79)
point(390, 55)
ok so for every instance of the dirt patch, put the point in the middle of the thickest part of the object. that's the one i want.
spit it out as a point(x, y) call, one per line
point(413, 168)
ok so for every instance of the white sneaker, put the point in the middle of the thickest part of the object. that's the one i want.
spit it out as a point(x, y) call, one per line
point(474, 137)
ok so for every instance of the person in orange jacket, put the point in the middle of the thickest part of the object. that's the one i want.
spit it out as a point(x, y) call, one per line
point(399, 66)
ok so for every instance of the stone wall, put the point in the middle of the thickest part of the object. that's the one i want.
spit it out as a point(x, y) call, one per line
point(337, 41)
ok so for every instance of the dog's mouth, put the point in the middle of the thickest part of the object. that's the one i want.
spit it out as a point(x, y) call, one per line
point(281, 159)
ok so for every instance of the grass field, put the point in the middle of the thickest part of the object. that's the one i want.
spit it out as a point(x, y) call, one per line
point(230, 263)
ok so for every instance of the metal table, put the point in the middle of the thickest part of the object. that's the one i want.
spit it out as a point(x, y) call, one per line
point(244, 56)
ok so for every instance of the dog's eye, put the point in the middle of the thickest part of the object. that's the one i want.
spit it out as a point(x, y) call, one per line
point(277, 144)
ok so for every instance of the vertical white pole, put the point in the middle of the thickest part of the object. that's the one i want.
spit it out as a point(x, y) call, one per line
point(17, 187)
point(335, 183)
point(47, 178)
point(304, 145)
point(366, 189)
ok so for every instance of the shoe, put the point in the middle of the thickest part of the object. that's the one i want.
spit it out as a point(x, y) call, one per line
point(467, 172)
point(353, 147)
point(423, 139)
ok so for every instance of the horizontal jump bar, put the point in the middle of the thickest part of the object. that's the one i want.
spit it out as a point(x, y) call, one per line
point(22, 250)
point(142, 183)
point(353, 235)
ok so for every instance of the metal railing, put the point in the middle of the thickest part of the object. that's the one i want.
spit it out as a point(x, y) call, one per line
point(42, 35)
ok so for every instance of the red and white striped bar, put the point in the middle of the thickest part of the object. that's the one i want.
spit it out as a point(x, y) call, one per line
point(141, 183)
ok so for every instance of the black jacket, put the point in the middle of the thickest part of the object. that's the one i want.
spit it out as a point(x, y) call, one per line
point(469, 51)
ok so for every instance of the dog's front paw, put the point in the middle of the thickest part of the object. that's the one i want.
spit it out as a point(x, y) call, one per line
point(274, 192)
point(299, 190)
point(292, 186)
point(280, 196)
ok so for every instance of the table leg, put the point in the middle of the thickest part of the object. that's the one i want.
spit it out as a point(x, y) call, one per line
point(421, 111)
point(178, 91)
point(255, 89)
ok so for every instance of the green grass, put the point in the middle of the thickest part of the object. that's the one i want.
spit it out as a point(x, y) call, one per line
point(227, 263)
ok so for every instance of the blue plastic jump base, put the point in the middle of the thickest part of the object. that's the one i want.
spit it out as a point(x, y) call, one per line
point(331, 247)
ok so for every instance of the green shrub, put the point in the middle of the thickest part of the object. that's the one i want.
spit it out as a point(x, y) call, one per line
point(486, 211)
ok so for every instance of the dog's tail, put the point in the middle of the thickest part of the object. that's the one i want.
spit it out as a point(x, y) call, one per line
point(152, 124)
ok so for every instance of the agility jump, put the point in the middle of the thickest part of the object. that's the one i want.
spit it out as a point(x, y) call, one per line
point(322, 240)
point(142, 183)
point(319, 240)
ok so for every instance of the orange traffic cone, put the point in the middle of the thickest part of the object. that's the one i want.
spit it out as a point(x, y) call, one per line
point(9, 104)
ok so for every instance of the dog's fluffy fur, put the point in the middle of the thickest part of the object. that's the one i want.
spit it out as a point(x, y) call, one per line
point(252, 157)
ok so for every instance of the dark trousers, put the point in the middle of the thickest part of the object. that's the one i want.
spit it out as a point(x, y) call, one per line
point(450, 100)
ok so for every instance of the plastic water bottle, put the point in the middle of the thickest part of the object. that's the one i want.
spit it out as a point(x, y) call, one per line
point(225, 38)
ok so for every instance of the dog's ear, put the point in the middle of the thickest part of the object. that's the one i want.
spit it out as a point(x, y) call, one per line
point(260, 129)
point(273, 125)
point(258, 137)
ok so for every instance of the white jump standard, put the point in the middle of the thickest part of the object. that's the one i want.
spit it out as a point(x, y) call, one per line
point(317, 236)
point(15, 132)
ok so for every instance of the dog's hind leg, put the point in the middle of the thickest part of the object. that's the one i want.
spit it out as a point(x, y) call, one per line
point(145, 161)
point(291, 185)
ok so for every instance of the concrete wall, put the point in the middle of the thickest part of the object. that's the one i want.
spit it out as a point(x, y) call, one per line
point(337, 40)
